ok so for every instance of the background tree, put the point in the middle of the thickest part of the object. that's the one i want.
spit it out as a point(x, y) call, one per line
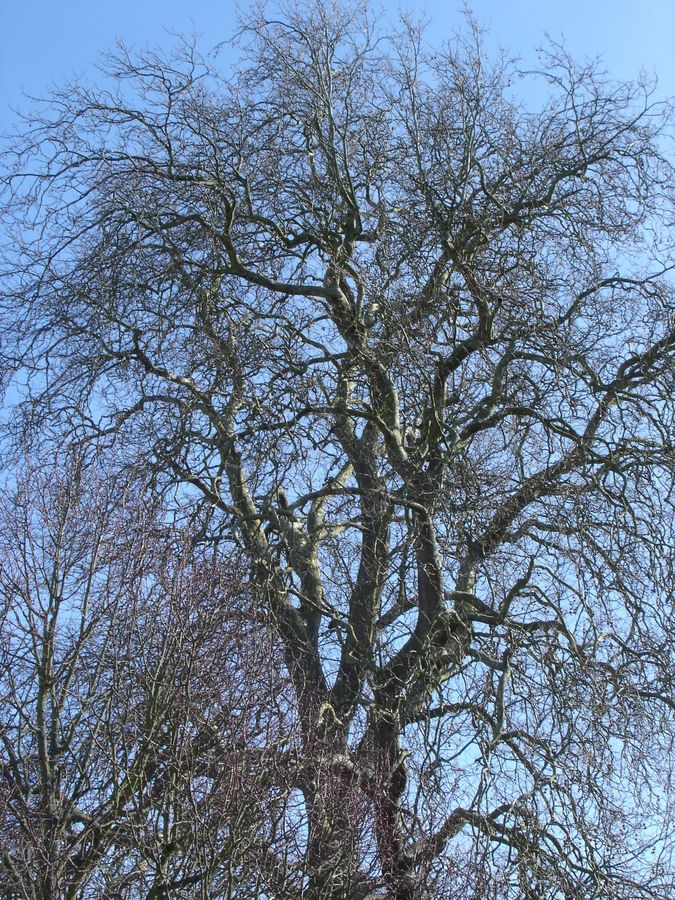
point(406, 344)
point(137, 752)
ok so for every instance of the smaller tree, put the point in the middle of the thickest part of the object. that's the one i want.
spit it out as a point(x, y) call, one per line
point(137, 721)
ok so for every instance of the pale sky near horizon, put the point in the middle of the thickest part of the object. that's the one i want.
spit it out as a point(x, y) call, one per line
point(43, 41)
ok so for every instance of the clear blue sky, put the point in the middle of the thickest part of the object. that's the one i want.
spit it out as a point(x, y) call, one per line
point(44, 41)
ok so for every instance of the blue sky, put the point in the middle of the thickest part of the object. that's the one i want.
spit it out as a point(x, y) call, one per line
point(43, 41)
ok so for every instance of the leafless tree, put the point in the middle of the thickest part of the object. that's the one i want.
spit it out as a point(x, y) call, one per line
point(138, 719)
point(405, 342)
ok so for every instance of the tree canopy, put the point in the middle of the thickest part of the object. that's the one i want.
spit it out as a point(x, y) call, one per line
point(360, 318)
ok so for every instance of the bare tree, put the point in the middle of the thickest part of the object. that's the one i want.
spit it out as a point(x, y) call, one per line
point(139, 725)
point(407, 344)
